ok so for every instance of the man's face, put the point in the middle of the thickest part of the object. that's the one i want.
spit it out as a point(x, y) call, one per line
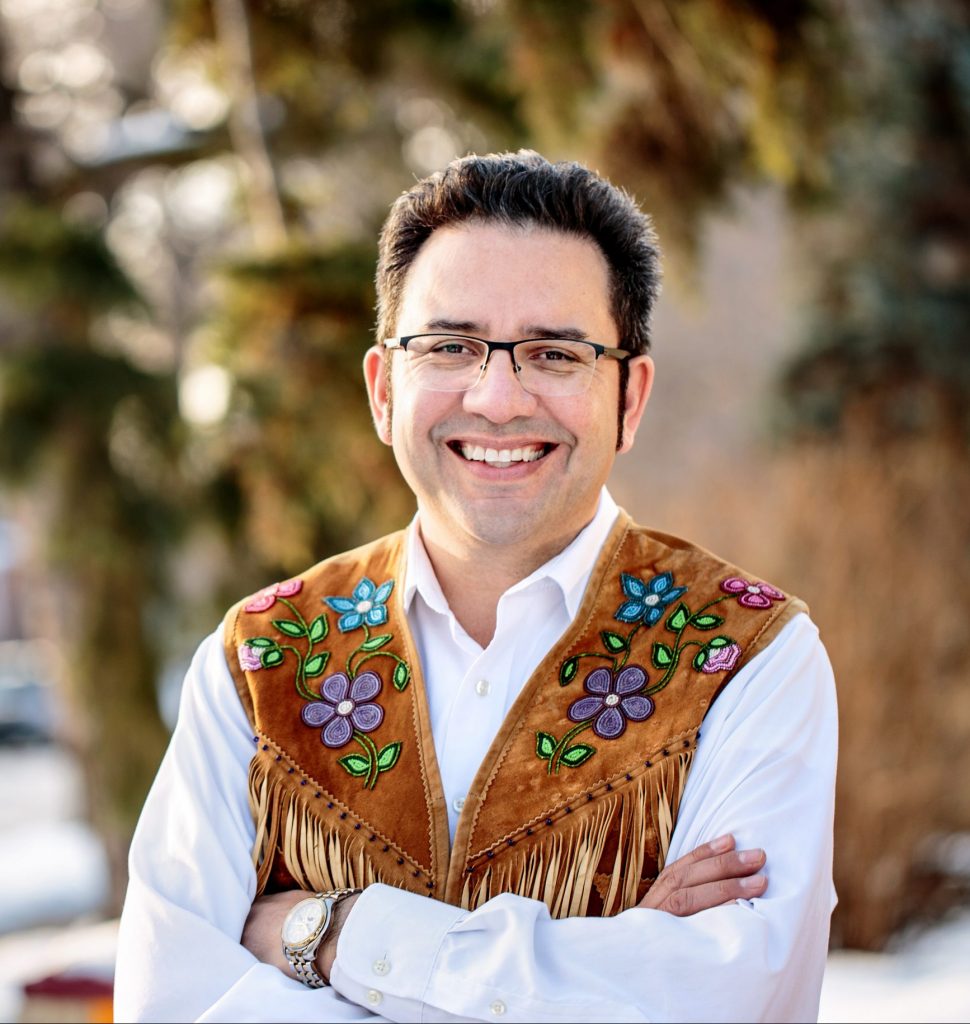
point(500, 283)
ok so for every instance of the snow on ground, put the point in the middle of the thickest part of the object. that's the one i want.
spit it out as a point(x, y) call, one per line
point(52, 866)
point(927, 978)
point(53, 879)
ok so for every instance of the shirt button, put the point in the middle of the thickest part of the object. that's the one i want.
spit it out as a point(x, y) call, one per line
point(497, 1008)
point(482, 687)
point(458, 803)
point(375, 998)
point(381, 967)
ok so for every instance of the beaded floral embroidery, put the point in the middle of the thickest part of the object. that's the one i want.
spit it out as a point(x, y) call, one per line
point(620, 692)
point(346, 707)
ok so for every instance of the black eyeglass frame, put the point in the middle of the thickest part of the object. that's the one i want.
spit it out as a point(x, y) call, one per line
point(505, 346)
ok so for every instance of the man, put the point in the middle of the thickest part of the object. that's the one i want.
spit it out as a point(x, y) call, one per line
point(500, 708)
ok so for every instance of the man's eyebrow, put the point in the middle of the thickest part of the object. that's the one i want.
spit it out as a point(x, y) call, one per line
point(529, 331)
point(566, 333)
point(459, 326)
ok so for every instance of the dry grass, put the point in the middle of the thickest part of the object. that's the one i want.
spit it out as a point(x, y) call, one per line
point(876, 537)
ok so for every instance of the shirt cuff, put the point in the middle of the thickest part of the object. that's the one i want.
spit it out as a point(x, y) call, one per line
point(387, 949)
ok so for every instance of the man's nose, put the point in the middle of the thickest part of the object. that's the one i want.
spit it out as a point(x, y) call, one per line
point(498, 395)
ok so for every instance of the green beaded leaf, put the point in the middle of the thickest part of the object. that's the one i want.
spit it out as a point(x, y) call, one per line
point(707, 621)
point(315, 665)
point(388, 756)
point(271, 657)
point(289, 627)
point(376, 642)
point(661, 655)
point(679, 619)
point(355, 764)
point(700, 658)
point(720, 641)
point(545, 745)
point(613, 642)
point(401, 675)
point(318, 629)
point(577, 754)
point(261, 641)
point(568, 671)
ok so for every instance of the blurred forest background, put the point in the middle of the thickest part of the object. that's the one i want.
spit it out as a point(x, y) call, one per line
point(190, 195)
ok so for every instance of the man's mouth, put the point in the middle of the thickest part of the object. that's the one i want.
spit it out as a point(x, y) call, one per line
point(500, 456)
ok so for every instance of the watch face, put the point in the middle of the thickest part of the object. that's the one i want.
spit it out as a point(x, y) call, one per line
point(302, 922)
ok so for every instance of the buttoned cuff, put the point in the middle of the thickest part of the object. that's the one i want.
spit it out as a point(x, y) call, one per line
point(387, 950)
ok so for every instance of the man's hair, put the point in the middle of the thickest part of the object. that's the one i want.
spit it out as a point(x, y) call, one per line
point(526, 189)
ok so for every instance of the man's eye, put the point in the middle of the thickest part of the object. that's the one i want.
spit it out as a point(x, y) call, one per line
point(552, 355)
point(452, 346)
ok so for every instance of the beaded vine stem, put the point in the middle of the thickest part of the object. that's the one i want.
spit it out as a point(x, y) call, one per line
point(312, 664)
point(617, 649)
point(308, 666)
point(377, 761)
point(371, 648)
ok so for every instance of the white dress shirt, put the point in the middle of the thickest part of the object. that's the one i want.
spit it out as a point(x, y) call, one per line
point(764, 770)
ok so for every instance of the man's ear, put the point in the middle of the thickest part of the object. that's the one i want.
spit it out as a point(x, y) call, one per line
point(639, 384)
point(378, 391)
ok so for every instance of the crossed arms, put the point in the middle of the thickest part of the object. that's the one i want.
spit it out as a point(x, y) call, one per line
point(764, 772)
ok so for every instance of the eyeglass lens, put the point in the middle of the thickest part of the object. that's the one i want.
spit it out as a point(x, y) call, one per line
point(442, 362)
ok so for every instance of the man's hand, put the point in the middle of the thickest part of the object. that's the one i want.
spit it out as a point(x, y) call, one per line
point(710, 876)
point(261, 934)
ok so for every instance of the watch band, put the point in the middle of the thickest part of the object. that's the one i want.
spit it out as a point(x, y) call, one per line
point(303, 958)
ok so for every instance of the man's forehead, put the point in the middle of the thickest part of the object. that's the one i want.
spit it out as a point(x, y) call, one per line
point(472, 277)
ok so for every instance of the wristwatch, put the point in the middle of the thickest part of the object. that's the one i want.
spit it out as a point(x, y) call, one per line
point(305, 927)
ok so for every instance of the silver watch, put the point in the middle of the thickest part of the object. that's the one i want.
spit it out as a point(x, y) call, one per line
point(305, 927)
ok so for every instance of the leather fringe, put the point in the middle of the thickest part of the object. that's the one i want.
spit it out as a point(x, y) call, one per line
point(562, 868)
point(319, 858)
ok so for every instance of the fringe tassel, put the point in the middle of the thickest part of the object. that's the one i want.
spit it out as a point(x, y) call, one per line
point(318, 857)
point(560, 869)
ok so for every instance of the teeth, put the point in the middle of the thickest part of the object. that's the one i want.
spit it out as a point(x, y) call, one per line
point(501, 456)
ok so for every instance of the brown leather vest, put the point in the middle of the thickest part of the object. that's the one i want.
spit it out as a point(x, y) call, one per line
point(577, 797)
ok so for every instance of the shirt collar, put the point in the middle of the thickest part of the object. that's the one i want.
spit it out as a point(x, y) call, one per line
point(569, 570)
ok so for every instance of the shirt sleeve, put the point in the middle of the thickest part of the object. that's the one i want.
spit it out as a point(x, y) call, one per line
point(191, 880)
point(764, 770)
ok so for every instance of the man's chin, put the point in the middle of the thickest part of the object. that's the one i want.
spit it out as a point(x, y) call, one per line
point(504, 523)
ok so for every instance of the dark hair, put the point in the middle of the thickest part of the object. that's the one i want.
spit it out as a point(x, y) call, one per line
point(525, 188)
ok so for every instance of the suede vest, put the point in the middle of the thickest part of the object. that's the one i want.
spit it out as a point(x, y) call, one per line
point(577, 797)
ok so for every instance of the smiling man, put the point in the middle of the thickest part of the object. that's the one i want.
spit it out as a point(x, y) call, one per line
point(524, 760)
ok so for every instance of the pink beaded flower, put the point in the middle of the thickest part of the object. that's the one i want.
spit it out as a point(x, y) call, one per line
point(752, 595)
point(721, 658)
point(266, 598)
point(248, 658)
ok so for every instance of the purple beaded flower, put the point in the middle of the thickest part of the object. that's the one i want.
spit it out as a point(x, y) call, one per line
point(344, 707)
point(613, 701)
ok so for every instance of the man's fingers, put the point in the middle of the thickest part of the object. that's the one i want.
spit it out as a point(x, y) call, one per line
point(702, 867)
point(706, 850)
point(683, 874)
point(685, 902)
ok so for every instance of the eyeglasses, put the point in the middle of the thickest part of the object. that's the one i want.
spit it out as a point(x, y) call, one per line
point(551, 367)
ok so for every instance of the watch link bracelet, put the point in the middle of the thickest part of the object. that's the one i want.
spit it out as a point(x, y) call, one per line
point(305, 927)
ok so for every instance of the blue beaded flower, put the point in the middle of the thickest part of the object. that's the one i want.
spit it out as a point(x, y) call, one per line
point(647, 601)
point(366, 605)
